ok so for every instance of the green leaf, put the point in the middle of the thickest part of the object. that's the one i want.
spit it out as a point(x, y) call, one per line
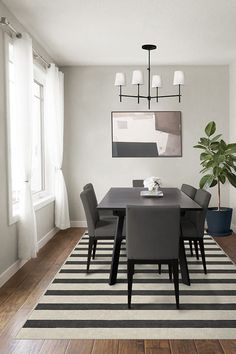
point(210, 164)
point(204, 170)
point(222, 178)
point(216, 170)
point(232, 178)
point(231, 149)
point(204, 141)
point(205, 156)
point(199, 147)
point(223, 145)
point(206, 181)
point(230, 146)
point(214, 183)
point(210, 128)
point(216, 138)
point(215, 145)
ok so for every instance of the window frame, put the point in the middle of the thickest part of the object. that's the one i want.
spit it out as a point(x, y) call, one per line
point(41, 193)
point(45, 196)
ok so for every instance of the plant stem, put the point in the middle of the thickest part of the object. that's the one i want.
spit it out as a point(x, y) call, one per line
point(218, 194)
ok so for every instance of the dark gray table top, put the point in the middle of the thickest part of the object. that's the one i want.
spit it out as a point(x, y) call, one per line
point(119, 198)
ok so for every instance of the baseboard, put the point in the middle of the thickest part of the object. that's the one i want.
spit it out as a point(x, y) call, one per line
point(9, 272)
point(47, 237)
point(77, 223)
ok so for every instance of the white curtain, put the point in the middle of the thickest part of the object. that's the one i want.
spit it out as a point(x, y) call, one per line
point(23, 59)
point(55, 121)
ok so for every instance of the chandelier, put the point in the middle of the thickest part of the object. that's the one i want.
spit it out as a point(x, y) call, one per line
point(137, 79)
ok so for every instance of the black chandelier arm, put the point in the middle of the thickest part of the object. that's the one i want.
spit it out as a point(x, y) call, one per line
point(165, 96)
point(134, 96)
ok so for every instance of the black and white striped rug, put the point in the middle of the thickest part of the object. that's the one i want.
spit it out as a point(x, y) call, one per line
point(79, 305)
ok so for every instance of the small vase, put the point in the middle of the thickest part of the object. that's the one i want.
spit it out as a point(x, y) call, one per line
point(153, 190)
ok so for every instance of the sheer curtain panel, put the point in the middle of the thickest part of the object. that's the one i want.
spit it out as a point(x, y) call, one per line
point(55, 121)
point(23, 58)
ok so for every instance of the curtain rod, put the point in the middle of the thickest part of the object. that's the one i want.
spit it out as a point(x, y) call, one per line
point(38, 56)
point(4, 22)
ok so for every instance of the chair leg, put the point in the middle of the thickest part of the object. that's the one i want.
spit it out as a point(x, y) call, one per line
point(90, 247)
point(170, 271)
point(130, 272)
point(191, 247)
point(201, 244)
point(176, 281)
point(94, 248)
point(196, 249)
point(159, 268)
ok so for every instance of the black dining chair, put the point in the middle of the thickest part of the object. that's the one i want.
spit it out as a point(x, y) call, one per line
point(98, 228)
point(137, 182)
point(152, 237)
point(190, 191)
point(192, 225)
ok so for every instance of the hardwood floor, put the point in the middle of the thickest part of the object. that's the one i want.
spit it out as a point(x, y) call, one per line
point(21, 293)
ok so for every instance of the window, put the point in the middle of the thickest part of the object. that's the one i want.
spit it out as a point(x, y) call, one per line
point(40, 182)
point(38, 158)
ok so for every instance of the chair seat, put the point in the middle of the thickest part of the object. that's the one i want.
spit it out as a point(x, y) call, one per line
point(188, 230)
point(106, 227)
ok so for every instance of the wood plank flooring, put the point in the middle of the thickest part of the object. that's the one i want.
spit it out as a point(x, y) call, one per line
point(21, 293)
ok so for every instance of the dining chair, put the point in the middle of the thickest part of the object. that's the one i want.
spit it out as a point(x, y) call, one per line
point(152, 237)
point(102, 213)
point(98, 228)
point(137, 182)
point(192, 225)
point(190, 191)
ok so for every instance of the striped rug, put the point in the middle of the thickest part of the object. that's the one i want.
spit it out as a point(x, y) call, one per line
point(79, 305)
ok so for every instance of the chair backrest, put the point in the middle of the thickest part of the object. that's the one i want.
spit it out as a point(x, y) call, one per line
point(90, 209)
point(137, 182)
point(152, 232)
point(190, 191)
point(198, 217)
point(90, 186)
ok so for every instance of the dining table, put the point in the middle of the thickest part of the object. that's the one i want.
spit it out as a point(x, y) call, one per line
point(117, 199)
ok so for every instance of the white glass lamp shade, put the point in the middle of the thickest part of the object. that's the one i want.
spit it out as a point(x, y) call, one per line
point(178, 78)
point(156, 81)
point(120, 79)
point(137, 78)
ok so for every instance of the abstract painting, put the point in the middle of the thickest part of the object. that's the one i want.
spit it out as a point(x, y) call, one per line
point(146, 134)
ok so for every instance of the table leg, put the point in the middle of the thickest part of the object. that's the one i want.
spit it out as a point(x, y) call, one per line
point(183, 263)
point(116, 249)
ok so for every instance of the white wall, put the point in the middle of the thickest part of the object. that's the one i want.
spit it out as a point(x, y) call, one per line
point(45, 216)
point(232, 131)
point(89, 99)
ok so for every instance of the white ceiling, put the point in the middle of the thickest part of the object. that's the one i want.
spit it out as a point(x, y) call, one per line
point(109, 32)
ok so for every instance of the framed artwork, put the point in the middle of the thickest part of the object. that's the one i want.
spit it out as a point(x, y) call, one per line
point(146, 134)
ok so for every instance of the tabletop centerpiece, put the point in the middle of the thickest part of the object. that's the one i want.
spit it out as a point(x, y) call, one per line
point(153, 185)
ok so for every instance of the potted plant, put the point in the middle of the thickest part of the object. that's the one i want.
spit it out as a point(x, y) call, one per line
point(219, 165)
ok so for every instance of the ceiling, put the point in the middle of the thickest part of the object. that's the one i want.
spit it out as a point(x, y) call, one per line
point(110, 32)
